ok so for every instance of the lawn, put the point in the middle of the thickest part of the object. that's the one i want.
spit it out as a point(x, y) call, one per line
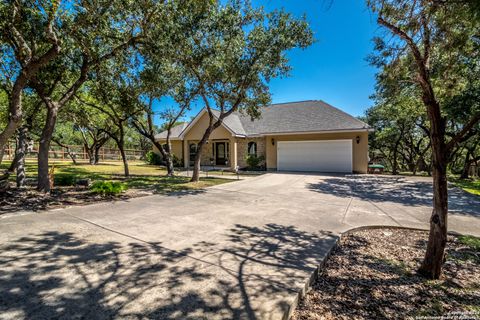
point(471, 186)
point(142, 176)
point(93, 171)
point(144, 179)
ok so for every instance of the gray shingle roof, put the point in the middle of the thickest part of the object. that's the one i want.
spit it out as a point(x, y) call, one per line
point(174, 132)
point(232, 122)
point(303, 116)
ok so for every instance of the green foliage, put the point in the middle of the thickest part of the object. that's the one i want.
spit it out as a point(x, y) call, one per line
point(470, 241)
point(108, 187)
point(177, 162)
point(154, 158)
point(471, 186)
point(65, 179)
point(254, 161)
point(446, 37)
point(231, 49)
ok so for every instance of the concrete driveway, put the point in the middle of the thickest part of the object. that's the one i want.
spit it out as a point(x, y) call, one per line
point(235, 251)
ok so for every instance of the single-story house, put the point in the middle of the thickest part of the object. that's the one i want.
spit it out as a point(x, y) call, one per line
point(297, 136)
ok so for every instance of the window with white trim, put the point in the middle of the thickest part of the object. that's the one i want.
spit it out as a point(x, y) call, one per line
point(252, 148)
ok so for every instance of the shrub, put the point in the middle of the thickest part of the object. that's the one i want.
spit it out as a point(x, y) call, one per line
point(108, 187)
point(177, 162)
point(255, 162)
point(154, 158)
point(65, 180)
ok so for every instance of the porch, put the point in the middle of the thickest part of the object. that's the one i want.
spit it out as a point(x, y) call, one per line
point(216, 154)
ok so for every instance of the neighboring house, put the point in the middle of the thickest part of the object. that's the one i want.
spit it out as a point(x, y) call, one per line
point(298, 136)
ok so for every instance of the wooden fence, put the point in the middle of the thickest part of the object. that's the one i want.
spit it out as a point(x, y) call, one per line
point(79, 152)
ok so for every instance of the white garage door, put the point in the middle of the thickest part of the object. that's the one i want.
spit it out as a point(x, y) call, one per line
point(322, 156)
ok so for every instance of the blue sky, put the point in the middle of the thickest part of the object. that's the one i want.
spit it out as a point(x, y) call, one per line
point(334, 68)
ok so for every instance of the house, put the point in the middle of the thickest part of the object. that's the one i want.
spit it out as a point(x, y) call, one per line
point(297, 136)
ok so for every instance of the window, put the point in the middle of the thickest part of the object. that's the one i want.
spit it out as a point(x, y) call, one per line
point(192, 151)
point(252, 148)
point(165, 147)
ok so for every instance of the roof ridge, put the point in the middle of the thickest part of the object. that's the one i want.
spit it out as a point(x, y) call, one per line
point(280, 103)
point(340, 110)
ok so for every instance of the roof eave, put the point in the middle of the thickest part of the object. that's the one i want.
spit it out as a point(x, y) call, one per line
point(311, 132)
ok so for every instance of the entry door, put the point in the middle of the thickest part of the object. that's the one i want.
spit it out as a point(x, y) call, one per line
point(320, 155)
point(220, 153)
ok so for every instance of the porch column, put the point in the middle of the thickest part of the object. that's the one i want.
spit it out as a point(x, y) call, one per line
point(233, 151)
point(186, 156)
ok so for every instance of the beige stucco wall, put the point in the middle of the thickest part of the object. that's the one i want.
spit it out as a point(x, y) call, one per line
point(360, 150)
point(177, 148)
point(196, 132)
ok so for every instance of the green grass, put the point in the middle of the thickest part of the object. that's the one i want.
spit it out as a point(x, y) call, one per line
point(470, 241)
point(470, 186)
point(142, 176)
point(105, 168)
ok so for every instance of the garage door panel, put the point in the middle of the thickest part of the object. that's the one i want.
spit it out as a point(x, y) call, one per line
point(322, 156)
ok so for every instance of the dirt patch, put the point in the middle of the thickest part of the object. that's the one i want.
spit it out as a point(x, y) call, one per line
point(29, 199)
point(372, 275)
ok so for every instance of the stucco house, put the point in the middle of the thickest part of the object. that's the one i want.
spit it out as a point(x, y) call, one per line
point(297, 136)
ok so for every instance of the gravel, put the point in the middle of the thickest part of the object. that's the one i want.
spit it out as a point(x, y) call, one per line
point(372, 275)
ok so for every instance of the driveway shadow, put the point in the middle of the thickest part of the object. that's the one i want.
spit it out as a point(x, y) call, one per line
point(397, 190)
point(59, 275)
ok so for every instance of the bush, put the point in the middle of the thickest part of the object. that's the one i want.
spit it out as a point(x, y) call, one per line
point(177, 162)
point(65, 180)
point(255, 162)
point(154, 158)
point(108, 187)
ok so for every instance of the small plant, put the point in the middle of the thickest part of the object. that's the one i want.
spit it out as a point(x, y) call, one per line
point(154, 158)
point(108, 187)
point(254, 162)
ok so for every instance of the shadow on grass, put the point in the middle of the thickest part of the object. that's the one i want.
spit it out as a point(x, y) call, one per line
point(59, 274)
point(28, 199)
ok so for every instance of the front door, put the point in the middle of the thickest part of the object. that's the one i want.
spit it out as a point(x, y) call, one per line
point(220, 153)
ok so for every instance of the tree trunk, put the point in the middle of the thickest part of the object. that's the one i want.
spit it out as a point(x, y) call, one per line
point(44, 147)
point(395, 162)
point(434, 257)
point(120, 141)
point(466, 166)
point(196, 166)
point(90, 154)
point(395, 157)
point(198, 156)
point(96, 156)
point(5, 176)
point(166, 154)
point(169, 164)
point(20, 156)
point(169, 157)
point(124, 159)
point(71, 155)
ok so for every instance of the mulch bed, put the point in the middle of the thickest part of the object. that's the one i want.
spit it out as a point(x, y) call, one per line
point(14, 199)
point(372, 275)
